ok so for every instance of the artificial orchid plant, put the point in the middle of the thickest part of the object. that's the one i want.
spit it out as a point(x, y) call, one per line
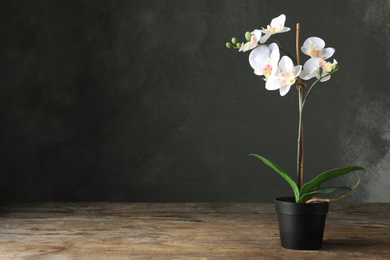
point(280, 73)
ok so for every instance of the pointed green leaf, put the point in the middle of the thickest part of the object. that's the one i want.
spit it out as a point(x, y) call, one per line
point(328, 175)
point(306, 196)
point(282, 172)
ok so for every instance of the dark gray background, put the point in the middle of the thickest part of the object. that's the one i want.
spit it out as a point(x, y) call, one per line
point(141, 101)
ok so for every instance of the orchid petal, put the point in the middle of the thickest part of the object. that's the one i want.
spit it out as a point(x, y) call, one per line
point(327, 52)
point(274, 49)
point(265, 37)
point(284, 90)
point(285, 29)
point(257, 72)
point(286, 64)
point(305, 75)
point(278, 21)
point(272, 83)
point(248, 46)
point(257, 34)
point(277, 26)
point(297, 70)
point(309, 69)
point(284, 77)
point(264, 60)
point(310, 64)
point(258, 56)
point(320, 43)
point(325, 78)
point(314, 47)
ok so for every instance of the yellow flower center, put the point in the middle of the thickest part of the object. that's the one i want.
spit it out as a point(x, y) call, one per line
point(286, 78)
point(326, 66)
point(273, 30)
point(267, 68)
point(313, 51)
point(253, 38)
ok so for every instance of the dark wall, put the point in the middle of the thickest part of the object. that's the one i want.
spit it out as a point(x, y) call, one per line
point(141, 101)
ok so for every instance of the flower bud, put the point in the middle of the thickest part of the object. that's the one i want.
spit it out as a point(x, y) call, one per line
point(238, 45)
point(336, 67)
point(229, 45)
point(248, 36)
point(320, 71)
point(234, 40)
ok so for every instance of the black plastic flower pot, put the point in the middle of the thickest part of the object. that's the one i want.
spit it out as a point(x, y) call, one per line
point(301, 225)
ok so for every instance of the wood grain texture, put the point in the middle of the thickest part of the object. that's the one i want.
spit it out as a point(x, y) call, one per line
point(60, 230)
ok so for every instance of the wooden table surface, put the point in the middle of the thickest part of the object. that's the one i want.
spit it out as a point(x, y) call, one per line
point(58, 230)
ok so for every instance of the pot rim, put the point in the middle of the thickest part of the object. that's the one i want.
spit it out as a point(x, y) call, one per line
point(287, 205)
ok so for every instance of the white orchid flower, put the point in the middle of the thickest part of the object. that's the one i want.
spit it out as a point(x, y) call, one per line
point(311, 69)
point(277, 26)
point(256, 34)
point(264, 60)
point(284, 77)
point(314, 47)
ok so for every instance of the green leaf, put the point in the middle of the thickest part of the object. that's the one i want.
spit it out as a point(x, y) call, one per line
point(328, 175)
point(283, 173)
point(306, 196)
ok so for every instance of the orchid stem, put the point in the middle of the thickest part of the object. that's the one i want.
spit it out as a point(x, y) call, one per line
point(284, 50)
point(314, 83)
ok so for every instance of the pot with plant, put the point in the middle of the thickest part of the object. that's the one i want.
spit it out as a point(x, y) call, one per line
point(302, 217)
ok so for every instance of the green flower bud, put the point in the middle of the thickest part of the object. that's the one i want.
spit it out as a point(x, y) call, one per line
point(248, 36)
point(229, 45)
point(336, 67)
point(320, 70)
point(238, 45)
point(234, 40)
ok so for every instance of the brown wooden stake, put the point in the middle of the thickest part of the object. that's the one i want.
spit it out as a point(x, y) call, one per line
point(301, 87)
point(297, 50)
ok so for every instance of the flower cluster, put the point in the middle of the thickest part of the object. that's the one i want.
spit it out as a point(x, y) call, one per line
point(280, 72)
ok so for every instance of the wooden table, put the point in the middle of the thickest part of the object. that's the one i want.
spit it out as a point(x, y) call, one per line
point(59, 230)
